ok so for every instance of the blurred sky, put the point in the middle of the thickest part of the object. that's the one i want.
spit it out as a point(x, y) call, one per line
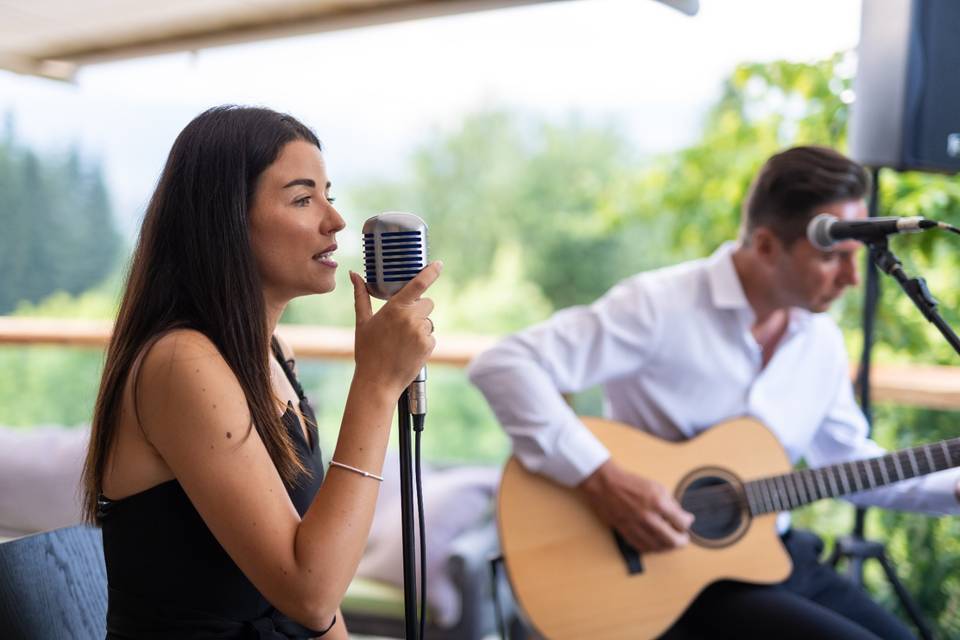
point(373, 93)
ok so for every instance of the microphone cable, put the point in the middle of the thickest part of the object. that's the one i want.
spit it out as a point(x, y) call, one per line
point(418, 420)
point(948, 227)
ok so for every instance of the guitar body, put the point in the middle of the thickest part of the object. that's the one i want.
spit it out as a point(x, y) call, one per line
point(573, 581)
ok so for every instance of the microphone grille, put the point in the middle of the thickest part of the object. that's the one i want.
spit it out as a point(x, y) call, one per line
point(818, 231)
point(394, 251)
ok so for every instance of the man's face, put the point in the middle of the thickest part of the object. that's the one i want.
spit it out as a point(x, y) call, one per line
point(811, 279)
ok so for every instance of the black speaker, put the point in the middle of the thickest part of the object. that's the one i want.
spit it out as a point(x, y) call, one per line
point(906, 111)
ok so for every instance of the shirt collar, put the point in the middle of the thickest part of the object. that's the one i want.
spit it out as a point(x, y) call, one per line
point(799, 319)
point(726, 290)
point(725, 287)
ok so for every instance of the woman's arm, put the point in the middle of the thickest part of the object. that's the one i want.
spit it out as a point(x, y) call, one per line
point(193, 411)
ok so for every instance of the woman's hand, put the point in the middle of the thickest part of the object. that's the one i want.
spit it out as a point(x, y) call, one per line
point(392, 345)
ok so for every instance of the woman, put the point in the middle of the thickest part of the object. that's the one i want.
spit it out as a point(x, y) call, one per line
point(202, 469)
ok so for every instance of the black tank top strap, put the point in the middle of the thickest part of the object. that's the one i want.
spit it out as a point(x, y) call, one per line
point(287, 366)
point(306, 409)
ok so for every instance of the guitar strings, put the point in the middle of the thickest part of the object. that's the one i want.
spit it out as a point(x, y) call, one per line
point(727, 495)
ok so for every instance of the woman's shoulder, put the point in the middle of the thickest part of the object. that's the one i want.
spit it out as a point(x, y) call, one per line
point(178, 347)
point(183, 362)
point(186, 391)
point(184, 339)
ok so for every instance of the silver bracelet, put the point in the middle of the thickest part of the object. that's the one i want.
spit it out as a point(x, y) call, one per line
point(365, 474)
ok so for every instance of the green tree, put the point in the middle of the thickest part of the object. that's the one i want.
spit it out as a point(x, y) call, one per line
point(501, 178)
point(765, 107)
point(50, 384)
point(58, 229)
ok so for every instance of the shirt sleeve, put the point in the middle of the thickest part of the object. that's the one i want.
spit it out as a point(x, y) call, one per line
point(523, 377)
point(843, 437)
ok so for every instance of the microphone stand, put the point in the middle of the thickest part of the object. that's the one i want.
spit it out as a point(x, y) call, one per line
point(915, 288)
point(406, 518)
point(855, 547)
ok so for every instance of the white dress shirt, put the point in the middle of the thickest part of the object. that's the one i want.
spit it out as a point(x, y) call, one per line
point(674, 353)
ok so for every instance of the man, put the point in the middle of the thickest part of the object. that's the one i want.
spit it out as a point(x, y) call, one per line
point(680, 349)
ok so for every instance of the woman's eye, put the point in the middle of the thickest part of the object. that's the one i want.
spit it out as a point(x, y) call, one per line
point(302, 202)
point(331, 199)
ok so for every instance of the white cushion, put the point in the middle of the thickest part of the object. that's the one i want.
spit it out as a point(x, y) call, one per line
point(40, 470)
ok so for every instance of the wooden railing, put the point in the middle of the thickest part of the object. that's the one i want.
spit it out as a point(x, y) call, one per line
point(307, 341)
point(933, 387)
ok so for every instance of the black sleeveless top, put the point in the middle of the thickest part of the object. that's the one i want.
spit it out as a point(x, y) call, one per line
point(169, 577)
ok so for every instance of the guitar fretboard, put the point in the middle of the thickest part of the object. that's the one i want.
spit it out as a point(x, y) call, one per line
point(792, 490)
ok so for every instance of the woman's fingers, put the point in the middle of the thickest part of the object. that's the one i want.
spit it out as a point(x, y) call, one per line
point(361, 299)
point(412, 291)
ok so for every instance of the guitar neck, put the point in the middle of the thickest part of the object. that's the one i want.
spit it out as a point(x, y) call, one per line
point(792, 490)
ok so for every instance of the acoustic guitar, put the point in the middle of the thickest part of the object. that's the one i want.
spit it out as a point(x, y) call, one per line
point(575, 578)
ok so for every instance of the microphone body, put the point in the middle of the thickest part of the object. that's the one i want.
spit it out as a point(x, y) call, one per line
point(825, 229)
point(394, 251)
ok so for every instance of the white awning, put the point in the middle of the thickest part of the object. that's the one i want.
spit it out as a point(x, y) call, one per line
point(51, 38)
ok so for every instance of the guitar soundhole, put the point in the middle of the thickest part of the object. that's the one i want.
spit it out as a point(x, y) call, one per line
point(717, 504)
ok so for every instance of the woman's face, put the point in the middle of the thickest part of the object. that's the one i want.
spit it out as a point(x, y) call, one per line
point(293, 225)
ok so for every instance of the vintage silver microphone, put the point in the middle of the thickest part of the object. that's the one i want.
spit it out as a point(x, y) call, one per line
point(394, 251)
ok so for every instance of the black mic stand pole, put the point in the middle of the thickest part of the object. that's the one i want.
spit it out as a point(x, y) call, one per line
point(855, 547)
point(406, 518)
point(915, 288)
point(871, 297)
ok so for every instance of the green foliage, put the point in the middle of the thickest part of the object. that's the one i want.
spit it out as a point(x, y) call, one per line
point(925, 550)
point(52, 385)
point(501, 179)
point(460, 426)
point(902, 330)
point(98, 303)
point(500, 303)
point(58, 230)
point(48, 385)
point(697, 192)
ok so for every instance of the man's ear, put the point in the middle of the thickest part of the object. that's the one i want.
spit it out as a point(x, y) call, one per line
point(766, 244)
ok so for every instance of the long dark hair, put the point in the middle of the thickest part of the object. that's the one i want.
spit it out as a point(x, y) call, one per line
point(193, 267)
